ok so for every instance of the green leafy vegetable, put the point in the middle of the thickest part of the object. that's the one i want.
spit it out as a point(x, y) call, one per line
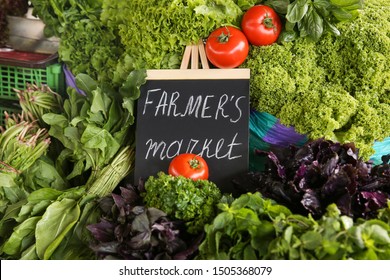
point(252, 227)
point(337, 88)
point(130, 230)
point(313, 18)
point(155, 33)
point(58, 219)
point(192, 201)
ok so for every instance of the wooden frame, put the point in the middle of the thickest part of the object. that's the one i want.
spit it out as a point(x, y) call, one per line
point(192, 54)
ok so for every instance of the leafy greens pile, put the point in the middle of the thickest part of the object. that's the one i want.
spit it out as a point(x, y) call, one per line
point(308, 179)
point(252, 227)
point(337, 87)
point(49, 200)
point(191, 201)
point(156, 32)
point(86, 45)
point(130, 230)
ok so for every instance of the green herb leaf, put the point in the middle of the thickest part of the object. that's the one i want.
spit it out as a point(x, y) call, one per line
point(297, 10)
point(280, 6)
point(314, 24)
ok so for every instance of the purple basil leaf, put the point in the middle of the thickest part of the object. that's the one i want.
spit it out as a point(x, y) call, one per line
point(141, 241)
point(343, 203)
point(129, 195)
point(304, 155)
point(154, 215)
point(106, 248)
point(140, 223)
point(330, 165)
point(300, 175)
point(137, 210)
point(280, 168)
point(102, 231)
point(119, 201)
point(191, 250)
point(374, 200)
point(336, 185)
point(311, 202)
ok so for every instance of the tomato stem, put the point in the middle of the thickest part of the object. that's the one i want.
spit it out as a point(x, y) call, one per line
point(224, 38)
point(268, 22)
point(194, 163)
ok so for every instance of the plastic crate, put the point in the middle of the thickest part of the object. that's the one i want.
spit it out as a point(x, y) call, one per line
point(15, 73)
point(8, 107)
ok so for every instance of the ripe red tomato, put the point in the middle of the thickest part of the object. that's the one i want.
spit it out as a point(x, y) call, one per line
point(190, 166)
point(261, 25)
point(227, 47)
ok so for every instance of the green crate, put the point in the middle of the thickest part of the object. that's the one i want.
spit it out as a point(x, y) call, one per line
point(15, 77)
point(9, 108)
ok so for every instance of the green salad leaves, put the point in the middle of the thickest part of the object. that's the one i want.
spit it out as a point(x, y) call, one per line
point(252, 227)
point(337, 87)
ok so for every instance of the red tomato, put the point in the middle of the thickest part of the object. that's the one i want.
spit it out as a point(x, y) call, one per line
point(190, 166)
point(261, 25)
point(227, 47)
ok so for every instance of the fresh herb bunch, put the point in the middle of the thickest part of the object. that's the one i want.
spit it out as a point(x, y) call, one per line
point(36, 100)
point(130, 230)
point(313, 18)
point(21, 145)
point(320, 173)
point(253, 227)
point(191, 201)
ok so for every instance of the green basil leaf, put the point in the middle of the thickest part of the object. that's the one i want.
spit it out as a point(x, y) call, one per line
point(330, 246)
point(322, 7)
point(289, 26)
point(330, 27)
point(346, 3)
point(246, 218)
point(249, 253)
point(222, 220)
point(379, 234)
point(280, 6)
point(287, 36)
point(356, 233)
point(314, 25)
point(297, 10)
point(311, 240)
point(241, 202)
point(56, 222)
point(341, 15)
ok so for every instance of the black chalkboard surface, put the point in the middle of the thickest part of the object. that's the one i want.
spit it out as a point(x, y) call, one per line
point(202, 111)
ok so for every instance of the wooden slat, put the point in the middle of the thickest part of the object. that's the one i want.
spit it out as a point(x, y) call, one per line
point(199, 74)
point(203, 57)
point(186, 58)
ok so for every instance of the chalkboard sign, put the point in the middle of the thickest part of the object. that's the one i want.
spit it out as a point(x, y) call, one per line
point(202, 111)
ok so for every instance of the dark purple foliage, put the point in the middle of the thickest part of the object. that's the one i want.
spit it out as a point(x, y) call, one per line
point(322, 172)
point(129, 230)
